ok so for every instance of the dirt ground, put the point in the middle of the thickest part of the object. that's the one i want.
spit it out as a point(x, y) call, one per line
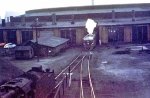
point(55, 63)
point(113, 75)
point(121, 75)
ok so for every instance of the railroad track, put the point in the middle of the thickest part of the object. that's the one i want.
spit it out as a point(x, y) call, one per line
point(86, 91)
point(65, 73)
point(71, 66)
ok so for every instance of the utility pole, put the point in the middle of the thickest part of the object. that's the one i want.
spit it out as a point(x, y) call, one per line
point(36, 25)
point(92, 2)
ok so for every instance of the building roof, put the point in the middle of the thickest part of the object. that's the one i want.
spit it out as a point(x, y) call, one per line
point(81, 23)
point(89, 9)
point(50, 41)
point(85, 10)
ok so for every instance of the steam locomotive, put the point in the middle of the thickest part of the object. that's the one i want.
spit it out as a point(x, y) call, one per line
point(89, 41)
point(35, 83)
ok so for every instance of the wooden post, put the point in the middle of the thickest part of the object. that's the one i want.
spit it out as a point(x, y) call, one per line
point(59, 94)
point(66, 79)
point(63, 88)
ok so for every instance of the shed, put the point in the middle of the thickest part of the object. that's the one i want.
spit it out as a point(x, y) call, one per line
point(24, 52)
point(48, 46)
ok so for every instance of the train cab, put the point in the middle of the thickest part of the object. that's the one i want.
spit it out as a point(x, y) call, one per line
point(89, 41)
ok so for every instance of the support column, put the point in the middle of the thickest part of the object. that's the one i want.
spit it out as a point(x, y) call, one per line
point(34, 34)
point(19, 36)
point(57, 33)
point(5, 36)
point(148, 30)
point(128, 34)
point(103, 35)
point(80, 33)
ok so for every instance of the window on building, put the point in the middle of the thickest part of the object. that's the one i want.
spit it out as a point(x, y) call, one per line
point(139, 34)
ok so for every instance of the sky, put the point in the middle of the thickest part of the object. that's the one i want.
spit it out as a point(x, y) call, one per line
point(17, 7)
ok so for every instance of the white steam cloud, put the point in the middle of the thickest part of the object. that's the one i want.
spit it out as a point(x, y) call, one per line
point(90, 25)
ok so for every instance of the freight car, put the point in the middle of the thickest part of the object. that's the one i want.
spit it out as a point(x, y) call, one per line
point(89, 41)
point(35, 83)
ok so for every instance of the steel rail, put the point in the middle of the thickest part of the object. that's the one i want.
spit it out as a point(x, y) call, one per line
point(77, 64)
point(67, 67)
point(81, 84)
point(70, 71)
point(90, 80)
point(58, 89)
point(61, 81)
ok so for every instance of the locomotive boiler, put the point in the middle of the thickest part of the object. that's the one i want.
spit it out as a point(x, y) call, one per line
point(35, 83)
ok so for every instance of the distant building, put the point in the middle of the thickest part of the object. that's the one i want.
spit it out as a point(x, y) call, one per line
point(48, 46)
point(24, 52)
point(124, 23)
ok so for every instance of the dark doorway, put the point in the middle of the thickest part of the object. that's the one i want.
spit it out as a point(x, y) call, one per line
point(11, 36)
point(97, 35)
point(139, 34)
point(115, 34)
point(1, 36)
point(26, 36)
point(69, 34)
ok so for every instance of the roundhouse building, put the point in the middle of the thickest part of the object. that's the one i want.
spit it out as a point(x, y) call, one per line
point(126, 23)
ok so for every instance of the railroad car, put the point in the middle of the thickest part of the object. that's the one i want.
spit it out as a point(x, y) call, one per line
point(89, 41)
point(35, 83)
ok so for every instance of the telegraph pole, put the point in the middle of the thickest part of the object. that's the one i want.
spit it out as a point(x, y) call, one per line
point(92, 2)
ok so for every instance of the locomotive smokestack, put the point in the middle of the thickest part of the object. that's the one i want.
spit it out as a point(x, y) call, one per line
point(90, 25)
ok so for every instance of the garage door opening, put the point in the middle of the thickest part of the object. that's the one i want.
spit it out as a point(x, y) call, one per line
point(139, 34)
